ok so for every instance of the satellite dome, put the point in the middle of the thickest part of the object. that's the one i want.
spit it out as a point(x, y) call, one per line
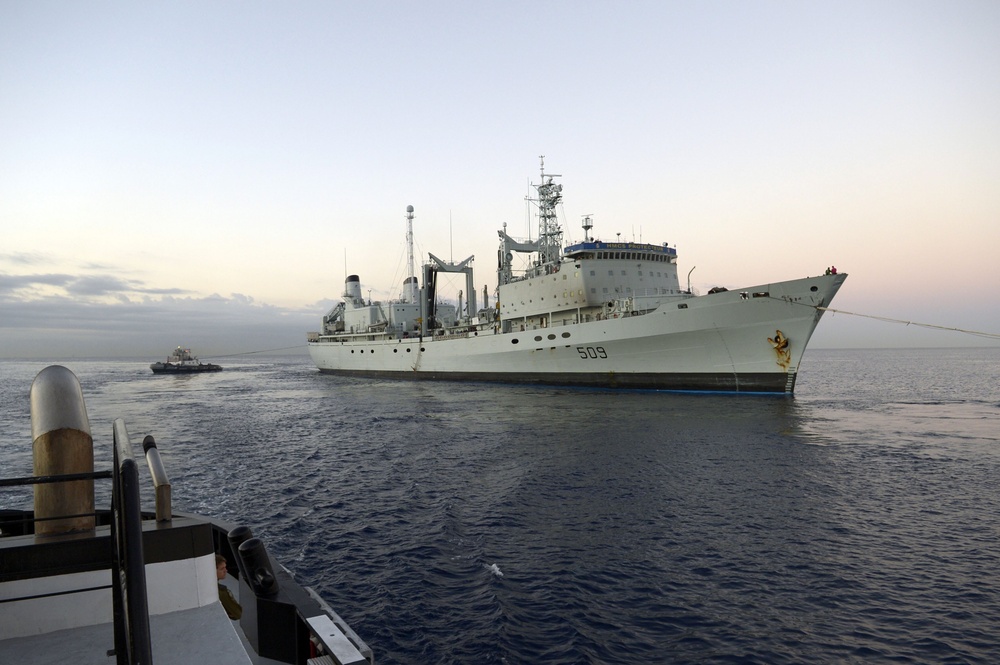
point(409, 208)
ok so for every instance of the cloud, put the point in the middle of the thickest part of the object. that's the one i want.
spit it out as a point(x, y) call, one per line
point(22, 258)
point(11, 283)
point(26, 287)
point(66, 327)
point(97, 285)
point(64, 315)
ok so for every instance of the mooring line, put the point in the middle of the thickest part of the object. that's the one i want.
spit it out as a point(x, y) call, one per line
point(977, 333)
point(250, 353)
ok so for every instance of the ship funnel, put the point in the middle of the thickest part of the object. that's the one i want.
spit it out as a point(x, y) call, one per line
point(411, 289)
point(61, 445)
point(352, 287)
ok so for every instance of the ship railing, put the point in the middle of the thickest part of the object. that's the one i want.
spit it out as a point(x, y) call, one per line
point(131, 607)
point(130, 614)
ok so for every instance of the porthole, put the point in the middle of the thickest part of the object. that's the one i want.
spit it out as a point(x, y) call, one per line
point(565, 334)
point(514, 341)
point(814, 289)
point(408, 350)
point(538, 338)
point(551, 336)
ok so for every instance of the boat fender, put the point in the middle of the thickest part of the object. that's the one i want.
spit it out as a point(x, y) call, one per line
point(260, 575)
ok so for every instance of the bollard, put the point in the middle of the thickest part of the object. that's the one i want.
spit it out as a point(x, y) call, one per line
point(61, 444)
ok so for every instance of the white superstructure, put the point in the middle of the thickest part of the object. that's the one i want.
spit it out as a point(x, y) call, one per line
point(593, 313)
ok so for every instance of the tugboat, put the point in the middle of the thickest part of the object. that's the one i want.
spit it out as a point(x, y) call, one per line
point(182, 362)
point(84, 585)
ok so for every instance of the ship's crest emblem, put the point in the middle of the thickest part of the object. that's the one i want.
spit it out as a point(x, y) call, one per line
point(781, 350)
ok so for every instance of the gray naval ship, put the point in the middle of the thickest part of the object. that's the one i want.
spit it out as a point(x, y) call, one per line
point(593, 313)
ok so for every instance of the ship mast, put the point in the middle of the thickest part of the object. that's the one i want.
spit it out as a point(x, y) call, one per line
point(549, 231)
point(411, 277)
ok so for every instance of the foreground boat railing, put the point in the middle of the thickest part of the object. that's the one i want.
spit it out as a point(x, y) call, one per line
point(64, 500)
point(131, 607)
point(282, 621)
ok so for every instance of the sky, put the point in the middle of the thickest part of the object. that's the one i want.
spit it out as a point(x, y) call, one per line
point(207, 174)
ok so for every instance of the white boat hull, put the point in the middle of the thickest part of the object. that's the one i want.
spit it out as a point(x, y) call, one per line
point(747, 340)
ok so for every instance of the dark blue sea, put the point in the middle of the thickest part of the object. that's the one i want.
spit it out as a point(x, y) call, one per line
point(856, 522)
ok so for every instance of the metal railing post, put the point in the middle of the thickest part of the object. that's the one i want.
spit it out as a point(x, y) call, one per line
point(161, 483)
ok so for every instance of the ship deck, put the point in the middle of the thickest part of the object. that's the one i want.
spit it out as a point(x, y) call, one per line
point(198, 635)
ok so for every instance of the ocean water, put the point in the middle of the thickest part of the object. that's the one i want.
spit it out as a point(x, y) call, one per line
point(857, 522)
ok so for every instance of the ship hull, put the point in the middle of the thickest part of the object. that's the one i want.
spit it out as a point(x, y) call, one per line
point(169, 368)
point(746, 340)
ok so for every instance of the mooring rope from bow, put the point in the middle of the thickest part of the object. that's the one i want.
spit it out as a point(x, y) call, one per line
point(977, 333)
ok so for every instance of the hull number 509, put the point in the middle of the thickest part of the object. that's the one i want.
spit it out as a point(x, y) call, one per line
point(591, 352)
